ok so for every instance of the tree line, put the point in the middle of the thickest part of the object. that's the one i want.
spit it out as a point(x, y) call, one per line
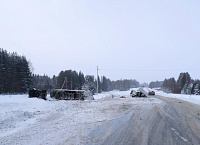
point(156, 84)
point(16, 77)
point(70, 79)
point(173, 86)
point(184, 84)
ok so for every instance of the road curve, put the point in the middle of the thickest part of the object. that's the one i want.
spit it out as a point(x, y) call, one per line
point(173, 122)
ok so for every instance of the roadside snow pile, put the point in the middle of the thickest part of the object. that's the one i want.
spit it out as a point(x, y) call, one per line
point(189, 98)
point(19, 111)
point(113, 94)
point(89, 95)
point(102, 95)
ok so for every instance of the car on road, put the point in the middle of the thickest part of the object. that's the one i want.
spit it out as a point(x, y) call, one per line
point(133, 93)
point(137, 94)
point(140, 94)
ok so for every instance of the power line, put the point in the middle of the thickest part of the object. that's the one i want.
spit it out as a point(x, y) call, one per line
point(152, 69)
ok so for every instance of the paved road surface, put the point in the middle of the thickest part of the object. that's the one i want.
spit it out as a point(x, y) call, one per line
point(173, 122)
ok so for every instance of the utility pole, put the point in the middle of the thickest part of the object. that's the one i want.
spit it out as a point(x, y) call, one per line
point(97, 80)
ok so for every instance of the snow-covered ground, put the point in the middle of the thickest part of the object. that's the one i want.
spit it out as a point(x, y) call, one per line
point(26, 120)
point(19, 111)
point(189, 98)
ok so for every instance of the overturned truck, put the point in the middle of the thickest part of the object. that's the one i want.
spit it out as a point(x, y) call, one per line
point(64, 94)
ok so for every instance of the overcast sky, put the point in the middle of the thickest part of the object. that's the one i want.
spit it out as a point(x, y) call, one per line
point(146, 40)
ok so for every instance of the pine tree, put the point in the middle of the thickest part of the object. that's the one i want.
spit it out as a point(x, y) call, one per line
point(184, 78)
point(14, 73)
point(89, 84)
point(81, 80)
point(99, 85)
point(60, 80)
point(53, 82)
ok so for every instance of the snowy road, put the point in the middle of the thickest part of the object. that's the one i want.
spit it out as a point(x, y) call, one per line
point(172, 122)
point(108, 121)
point(34, 121)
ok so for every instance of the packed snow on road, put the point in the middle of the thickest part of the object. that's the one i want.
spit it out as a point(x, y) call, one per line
point(31, 121)
point(35, 121)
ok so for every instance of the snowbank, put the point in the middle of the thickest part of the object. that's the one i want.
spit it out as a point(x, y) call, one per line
point(189, 98)
point(114, 94)
point(19, 111)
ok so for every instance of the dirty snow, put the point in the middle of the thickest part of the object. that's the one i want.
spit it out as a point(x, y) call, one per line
point(33, 121)
point(26, 120)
